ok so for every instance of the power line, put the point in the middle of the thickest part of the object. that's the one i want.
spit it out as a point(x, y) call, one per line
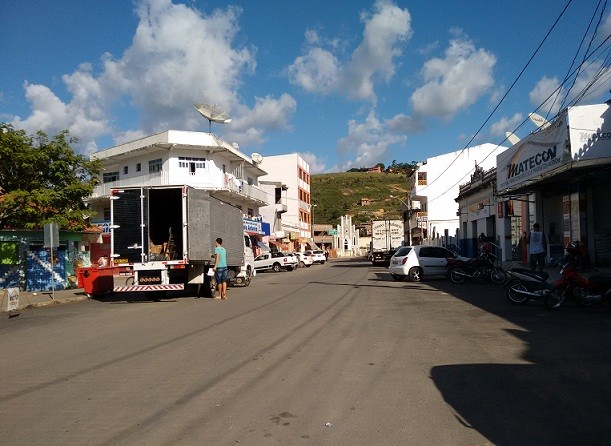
point(506, 93)
point(580, 96)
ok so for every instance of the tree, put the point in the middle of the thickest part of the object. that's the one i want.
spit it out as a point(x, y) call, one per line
point(43, 180)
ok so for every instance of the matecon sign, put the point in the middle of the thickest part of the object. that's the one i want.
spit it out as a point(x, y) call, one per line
point(579, 133)
point(533, 156)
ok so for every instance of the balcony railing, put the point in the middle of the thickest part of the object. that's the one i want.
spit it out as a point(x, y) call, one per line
point(163, 179)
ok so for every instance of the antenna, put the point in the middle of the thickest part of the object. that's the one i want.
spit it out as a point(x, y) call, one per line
point(212, 113)
point(538, 120)
point(256, 158)
point(513, 139)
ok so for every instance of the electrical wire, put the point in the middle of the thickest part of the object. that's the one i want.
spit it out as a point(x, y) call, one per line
point(587, 49)
point(580, 96)
point(505, 95)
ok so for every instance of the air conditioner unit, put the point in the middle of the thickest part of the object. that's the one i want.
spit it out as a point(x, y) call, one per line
point(416, 206)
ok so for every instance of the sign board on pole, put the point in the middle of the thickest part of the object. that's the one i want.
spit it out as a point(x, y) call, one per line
point(51, 236)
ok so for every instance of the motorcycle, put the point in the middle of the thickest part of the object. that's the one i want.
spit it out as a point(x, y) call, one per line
point(525, 284)
point(477, 268)
point(586, 291)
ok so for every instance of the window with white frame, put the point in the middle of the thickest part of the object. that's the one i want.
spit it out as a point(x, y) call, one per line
point(108, 177)
point(155, 165)
point(191, 163)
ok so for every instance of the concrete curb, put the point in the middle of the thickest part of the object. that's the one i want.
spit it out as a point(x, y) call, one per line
point(28, 300)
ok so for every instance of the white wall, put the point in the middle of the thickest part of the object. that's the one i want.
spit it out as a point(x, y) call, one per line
point(284, 169)
point(445, 173)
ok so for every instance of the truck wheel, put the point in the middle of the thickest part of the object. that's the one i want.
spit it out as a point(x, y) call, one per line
point(248, 277)
point(276, 267)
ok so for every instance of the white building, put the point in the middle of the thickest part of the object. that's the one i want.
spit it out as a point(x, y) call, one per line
point(177, 157)
point(347, 238)
point(289, 211)
point(430, 211)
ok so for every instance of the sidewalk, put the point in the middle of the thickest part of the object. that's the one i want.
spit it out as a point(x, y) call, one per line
point(29, 299)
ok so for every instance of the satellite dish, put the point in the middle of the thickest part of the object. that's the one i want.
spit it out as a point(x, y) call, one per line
point(538, 120)
point(235, 145)
point(213, 114)
point(513, 139)
point(256, 158)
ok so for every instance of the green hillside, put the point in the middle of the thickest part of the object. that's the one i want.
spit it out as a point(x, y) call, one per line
point(337, 194)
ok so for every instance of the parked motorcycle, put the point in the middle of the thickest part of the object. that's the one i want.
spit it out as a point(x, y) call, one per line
point(525, 284)
point(478, 268)
point(586, 291)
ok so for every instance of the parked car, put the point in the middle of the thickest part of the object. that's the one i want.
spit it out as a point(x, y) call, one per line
point(416, 262)
point(276, 261)
point(304, 259)
point(318, 256)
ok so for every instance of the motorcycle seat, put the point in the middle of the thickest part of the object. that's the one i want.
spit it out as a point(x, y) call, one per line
point(544, 275)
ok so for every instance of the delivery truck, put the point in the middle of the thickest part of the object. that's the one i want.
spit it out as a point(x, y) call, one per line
point(162, 239)
point(386, 237)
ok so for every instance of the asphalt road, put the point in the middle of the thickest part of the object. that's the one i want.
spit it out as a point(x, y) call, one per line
point(335, 354)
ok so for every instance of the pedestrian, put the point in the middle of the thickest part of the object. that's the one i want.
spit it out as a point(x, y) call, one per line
point(481, 239)
point(537, 247)
point(220, 269)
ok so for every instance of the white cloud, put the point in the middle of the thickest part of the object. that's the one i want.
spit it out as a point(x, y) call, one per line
point(402, 123)
point(316, 72)
point(319, 70)
point(506, 125)
point(178, 56)
point(267, 114)
point(367, 143)
point(317, 165)
point(454, 82)
point(542, 95)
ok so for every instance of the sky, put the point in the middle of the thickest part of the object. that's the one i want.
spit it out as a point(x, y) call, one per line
point(344, 83)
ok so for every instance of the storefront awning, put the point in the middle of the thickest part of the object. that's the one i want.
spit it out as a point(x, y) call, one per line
point(275, 243)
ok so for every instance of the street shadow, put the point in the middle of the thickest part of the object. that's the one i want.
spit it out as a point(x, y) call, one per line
point(559, 390)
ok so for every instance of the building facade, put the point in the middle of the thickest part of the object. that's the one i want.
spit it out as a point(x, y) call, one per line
point(180, 158)
point(290, 213)
point(562, 175)
point(429, 210)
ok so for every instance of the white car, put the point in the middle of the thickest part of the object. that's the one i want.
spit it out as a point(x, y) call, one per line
point(304, 259)
point(416, 262)
point(275, 261)
point(318, 256)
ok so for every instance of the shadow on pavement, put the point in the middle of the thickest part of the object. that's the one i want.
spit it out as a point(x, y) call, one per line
point(560, 395)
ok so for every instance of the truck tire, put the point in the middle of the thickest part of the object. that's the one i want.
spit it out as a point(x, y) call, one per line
point(248, 277)
point(276, 267)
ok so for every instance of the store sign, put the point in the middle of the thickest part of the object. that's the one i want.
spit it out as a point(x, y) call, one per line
point(253, 226)
point(103, 225)
point(533, 156)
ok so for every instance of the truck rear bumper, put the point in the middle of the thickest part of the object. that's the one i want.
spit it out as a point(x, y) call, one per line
point(132, 288)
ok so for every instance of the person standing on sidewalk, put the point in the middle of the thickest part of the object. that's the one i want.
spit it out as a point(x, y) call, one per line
point(220, 269)
point(537, 247)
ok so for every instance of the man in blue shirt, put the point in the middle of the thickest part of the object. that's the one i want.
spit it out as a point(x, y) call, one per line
point(220, 269)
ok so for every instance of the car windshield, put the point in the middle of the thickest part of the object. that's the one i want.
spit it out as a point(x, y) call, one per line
point(403, 251)
point(318, 252)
